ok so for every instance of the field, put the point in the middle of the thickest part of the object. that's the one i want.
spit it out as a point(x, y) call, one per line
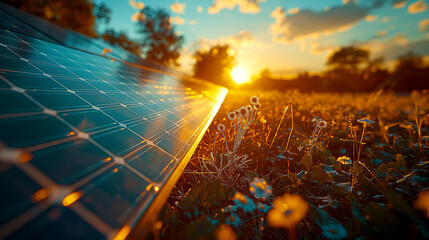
point(307, 166)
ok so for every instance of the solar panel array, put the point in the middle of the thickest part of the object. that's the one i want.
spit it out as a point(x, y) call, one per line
point(87, 141)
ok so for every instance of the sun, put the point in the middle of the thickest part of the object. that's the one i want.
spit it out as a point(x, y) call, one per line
point(240, 75)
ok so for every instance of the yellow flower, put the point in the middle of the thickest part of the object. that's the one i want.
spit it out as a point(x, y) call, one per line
point(225, 232)
point(422, 202)
point(288, 211)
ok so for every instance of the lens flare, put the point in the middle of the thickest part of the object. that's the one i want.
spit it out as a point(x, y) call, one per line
point(240, 75)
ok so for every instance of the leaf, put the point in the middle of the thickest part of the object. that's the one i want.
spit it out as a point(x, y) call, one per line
point(320, 175)
point(400, 161)
point(354, 203)
point(307, 162)
point(337, 165)
point(357, 168)
point(323, 218)
point(399, 204)
point(204, 195)
point(383, 169)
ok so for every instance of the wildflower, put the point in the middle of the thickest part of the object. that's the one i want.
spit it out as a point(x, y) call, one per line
point(260, 188)
point(316, 119)
point(221, 127)
point(243, 111)
point(422, 202)
point(249, 108)
point(322, 124)
point(225, 232)
point(231, 116)
point(257, 106)
point(233, 220)
point(365, 121)
point(288, 211)
point(344, 160)
point(254, 100)
point(230, 208)
point(264, 207)
point(333, 231)
point(244, 202)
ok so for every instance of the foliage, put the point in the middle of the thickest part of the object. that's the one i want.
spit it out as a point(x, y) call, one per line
point(160, 41)
point(378, 190)
point(120, 39)
point(214, 65)
point(78, 15)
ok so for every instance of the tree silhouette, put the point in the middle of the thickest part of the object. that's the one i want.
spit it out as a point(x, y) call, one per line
point(77, 15)
point(214, 65)
point(120, 39)
point(346, 69)
point(349, 59)
point(410, 73)
point(160, 42)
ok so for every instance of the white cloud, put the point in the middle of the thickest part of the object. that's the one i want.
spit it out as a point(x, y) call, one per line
point(424, 25)
point(244, 6)
point(382, 33)
point(178, 8)
point(293, 11)
point(417, 7)
point(136, 5)
point(138, 16)
point(399, 4)
point(199, 9)
point(177, 20)
point(193, 22)
point(400, 40)
point(370, 18)
point(308, 24)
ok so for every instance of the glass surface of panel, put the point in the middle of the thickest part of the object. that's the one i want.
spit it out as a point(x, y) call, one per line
point(84, 138)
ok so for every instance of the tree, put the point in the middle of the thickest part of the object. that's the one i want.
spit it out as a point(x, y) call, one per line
point(77, 15)
point(120, 39)
point(349, 59)
point(160, 42)
point(214, 65)
point(346, 69)
point(410, 73)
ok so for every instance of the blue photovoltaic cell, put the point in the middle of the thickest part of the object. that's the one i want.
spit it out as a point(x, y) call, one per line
point(86, 141)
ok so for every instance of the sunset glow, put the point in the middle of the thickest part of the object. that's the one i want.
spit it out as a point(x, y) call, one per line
point(240, 75)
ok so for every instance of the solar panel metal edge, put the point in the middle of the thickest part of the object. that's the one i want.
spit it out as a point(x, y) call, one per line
point(59, 201)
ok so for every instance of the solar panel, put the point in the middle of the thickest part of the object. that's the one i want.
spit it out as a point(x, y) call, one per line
point(90, 146)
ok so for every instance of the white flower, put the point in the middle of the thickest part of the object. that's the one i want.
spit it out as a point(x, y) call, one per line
point(231, 116)
point(254, 100)
point(221, 127)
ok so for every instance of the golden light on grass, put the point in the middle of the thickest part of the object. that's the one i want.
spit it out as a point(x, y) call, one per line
point(239, 75)
point(71, 198)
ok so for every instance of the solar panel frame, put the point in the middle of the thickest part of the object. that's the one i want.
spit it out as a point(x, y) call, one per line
point(110, 121)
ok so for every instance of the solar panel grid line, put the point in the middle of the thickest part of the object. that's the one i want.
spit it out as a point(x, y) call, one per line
point(113, 123)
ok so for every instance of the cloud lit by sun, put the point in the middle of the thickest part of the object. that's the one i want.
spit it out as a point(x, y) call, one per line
point(240, 75)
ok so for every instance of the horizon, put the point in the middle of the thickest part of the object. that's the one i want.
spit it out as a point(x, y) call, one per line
point(284, 35)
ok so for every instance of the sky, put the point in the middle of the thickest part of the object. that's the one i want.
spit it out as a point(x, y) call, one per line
point(287, 36)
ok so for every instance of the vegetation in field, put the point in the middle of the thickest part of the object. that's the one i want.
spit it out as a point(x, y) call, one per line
point(328, 166)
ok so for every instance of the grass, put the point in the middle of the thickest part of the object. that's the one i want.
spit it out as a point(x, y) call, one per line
point(337, 166)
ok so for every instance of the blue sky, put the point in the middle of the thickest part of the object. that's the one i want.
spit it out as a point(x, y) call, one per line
point(288, 36)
